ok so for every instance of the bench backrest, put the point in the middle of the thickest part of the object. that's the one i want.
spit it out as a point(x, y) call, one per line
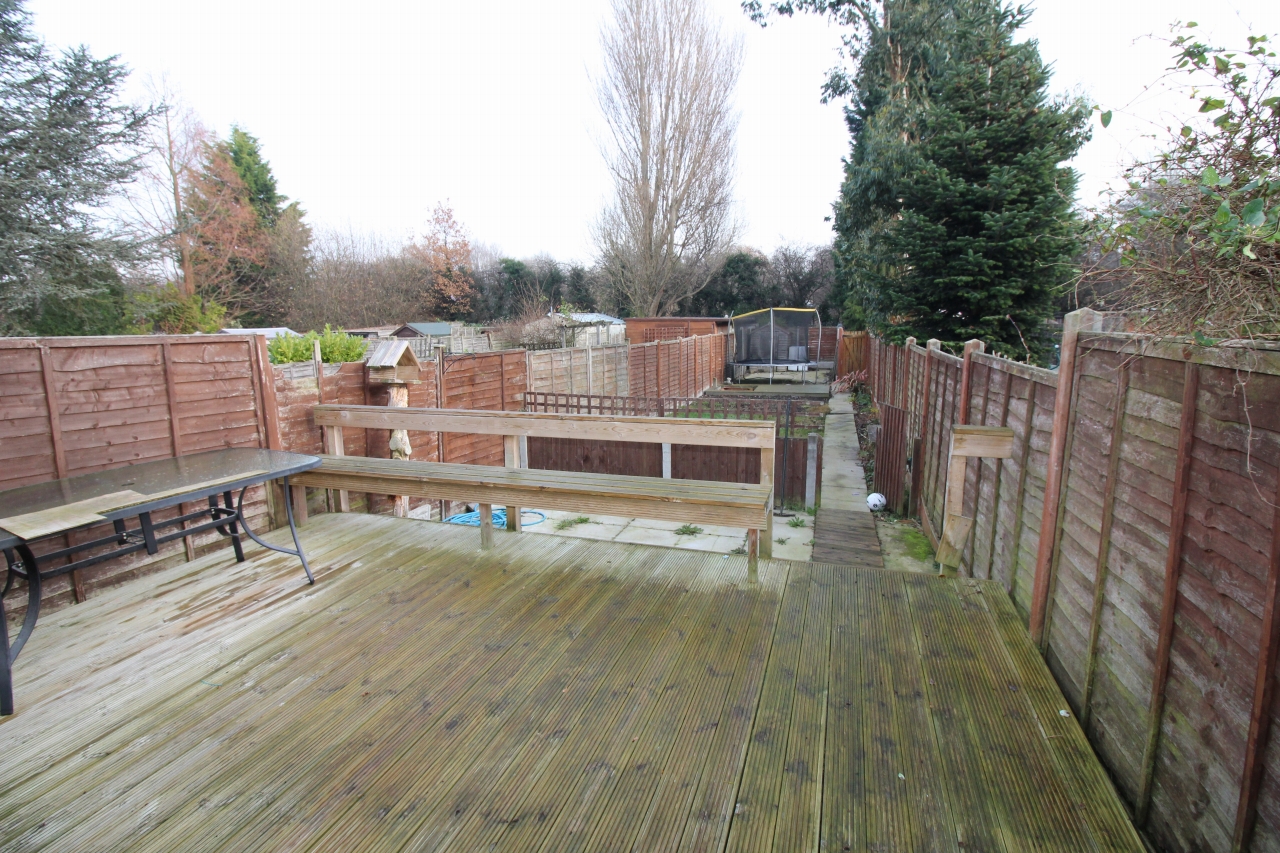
point(722, 433)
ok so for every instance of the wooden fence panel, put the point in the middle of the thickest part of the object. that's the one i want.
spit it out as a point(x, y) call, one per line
point(889, 476)
point(628, 458)
point(78, 405)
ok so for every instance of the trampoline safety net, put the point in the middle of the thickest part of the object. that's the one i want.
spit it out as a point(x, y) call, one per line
point(777, 336)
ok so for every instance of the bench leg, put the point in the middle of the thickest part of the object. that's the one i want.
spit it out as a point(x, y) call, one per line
point(753, 556)
point(486, 527)
point(513, 519)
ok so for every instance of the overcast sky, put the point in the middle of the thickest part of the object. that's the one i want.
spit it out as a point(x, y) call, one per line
point(371, 112)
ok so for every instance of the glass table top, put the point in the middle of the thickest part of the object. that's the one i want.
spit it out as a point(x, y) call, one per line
point(216, 469)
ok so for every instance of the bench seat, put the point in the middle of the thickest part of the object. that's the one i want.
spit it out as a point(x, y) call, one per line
point(746, 505)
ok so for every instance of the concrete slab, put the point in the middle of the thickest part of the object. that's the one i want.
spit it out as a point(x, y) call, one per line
point(794, 547)
point(843, 483)
point(649, 536)
point(729, 544)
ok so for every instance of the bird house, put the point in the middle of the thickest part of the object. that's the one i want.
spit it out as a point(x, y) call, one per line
point(392, 361)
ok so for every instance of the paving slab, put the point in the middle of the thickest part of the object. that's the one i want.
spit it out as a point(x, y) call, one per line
point(844, 486)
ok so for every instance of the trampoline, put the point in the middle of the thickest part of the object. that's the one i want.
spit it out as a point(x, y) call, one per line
point(775, 338)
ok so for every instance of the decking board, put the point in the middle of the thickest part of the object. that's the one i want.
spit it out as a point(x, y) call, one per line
point(551, 694)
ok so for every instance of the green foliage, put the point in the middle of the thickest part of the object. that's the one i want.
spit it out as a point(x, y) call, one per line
point(854, 317)
point(1198, 230)
point(246, 154)
point(169, 311)
point(954, 219)
point(741, 284)
point(100, 308)
point(688, 530)
point(568, 523)
point(67, 146)
point(336, 347)
point(975, 233)
point(577, 290)
point(796, 521)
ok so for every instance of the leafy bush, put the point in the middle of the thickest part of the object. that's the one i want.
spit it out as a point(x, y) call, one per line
point(169, 311)
point(336, 346)
point(1197, 231)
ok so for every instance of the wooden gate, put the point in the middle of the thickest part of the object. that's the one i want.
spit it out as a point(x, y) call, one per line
point(855, 353)
point(890, 476)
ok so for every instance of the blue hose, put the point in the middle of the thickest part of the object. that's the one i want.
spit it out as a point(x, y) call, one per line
point(472, 519)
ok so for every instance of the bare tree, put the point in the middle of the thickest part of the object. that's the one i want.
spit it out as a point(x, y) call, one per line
point(669, 80)
point(356, 281)
point(175, 145)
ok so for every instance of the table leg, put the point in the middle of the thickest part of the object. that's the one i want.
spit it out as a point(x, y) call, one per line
point(32, 574)
point(9, 574)
point(235, 535)
point(6, 668)
point(288, 508)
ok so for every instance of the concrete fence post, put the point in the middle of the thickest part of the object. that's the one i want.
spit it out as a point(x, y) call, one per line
point(811, 473)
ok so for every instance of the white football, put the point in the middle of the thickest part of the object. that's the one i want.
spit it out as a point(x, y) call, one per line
point(876, 502)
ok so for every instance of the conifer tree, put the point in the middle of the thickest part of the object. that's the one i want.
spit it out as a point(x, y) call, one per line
point(955, 217)
point(978, 232)
point(68, 145)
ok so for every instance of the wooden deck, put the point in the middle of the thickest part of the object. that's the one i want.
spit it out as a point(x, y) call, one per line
point(846, 537)
point(551, 694)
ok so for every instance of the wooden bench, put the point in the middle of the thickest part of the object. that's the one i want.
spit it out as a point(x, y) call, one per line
point(748, 505)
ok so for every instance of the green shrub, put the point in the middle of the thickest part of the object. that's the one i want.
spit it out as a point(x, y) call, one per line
point(169, 311)
point(336, 346)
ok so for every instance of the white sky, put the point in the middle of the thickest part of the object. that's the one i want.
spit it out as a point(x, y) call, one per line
point(370, 112)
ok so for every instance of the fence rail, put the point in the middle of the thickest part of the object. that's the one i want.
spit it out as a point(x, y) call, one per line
point(803, 414)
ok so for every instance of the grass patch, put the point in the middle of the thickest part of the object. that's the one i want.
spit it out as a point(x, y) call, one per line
point(797, 521)
point(566, 523)
point(741, 549)
point(918, 547)
point(781, 540)
point(688, 530)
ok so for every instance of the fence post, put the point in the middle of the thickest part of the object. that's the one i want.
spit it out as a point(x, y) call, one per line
point(966, 371)
point(811, 473)
point(1263, 691)
point(1169, 602)
point(925, 427)
point(1072, 324)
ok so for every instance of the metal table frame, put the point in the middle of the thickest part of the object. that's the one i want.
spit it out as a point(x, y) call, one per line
point(226, 518)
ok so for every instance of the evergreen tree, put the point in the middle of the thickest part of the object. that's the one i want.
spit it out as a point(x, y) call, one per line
point(67, 146)
point(577, 289)
point(250, 253)
point(977, 232)
point(955, 219)
point(739, 285)
point(259, 182)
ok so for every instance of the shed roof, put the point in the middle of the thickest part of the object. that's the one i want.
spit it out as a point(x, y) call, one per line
point(593, 317)
point(267, 331)
point(427, 329)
